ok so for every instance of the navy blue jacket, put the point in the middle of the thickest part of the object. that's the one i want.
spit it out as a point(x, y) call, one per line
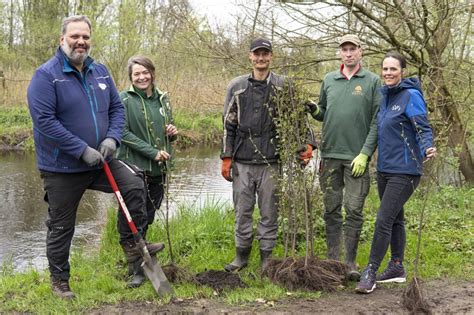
point(404, 133)
point(71, 111)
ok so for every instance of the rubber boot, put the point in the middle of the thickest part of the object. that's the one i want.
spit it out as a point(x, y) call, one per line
point(351, 242)
point(333, 242)
point(134, 259)
point(240, 261)
point(136, 274)
point(265, 258)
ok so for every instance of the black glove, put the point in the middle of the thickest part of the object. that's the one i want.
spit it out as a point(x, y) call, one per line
point(107, 147)
point(310, 107)
point(92, 157)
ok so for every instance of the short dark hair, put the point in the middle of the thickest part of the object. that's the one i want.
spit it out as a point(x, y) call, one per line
point(142, 61)
point(75, 18)
point(396, 55)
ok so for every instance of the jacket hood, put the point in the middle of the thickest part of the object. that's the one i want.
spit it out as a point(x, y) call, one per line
point(406, 83)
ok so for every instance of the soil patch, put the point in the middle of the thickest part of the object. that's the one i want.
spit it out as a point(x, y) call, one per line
point(176, 274)
point(219, 280)
point(443, 296)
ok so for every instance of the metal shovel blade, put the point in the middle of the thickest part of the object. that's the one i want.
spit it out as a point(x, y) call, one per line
point(157, 277)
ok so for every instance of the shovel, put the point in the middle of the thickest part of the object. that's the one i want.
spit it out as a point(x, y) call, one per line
point(150, 264)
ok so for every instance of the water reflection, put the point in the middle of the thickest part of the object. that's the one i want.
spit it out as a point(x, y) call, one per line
point(195, 179)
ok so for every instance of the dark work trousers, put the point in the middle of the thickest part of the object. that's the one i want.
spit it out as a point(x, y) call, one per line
point(340, 187)
point(156, 191)
point(394, 191)
point(252, 181)
point(63, 194)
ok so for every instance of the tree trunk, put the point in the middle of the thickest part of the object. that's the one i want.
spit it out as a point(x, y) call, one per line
point(457, 139)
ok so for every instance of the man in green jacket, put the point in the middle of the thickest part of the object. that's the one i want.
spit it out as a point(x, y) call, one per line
point(348, 105)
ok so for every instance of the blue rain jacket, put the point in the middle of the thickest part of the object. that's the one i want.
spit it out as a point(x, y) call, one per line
point(71, 111)
point(404, 133)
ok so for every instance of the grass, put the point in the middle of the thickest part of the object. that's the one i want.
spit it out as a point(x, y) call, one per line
point(194, 127)
point(198, 127)
point(16, 127)
point(203, 239)
point(197, 102)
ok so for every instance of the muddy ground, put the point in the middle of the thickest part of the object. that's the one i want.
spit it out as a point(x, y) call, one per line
point(443, 296)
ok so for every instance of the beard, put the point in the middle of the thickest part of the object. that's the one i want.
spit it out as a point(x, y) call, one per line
point(73, 56)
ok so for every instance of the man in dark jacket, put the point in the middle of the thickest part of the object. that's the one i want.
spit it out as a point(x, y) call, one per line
point(250, 156)
point(77, 120)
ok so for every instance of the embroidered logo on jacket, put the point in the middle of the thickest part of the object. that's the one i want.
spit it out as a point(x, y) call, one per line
point(102, 86)
point(396, 108)
point(357, 90)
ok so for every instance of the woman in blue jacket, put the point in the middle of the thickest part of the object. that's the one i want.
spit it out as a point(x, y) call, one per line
point(405, 141)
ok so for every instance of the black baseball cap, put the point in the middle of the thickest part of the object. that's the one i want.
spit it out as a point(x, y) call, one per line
point(261, 43)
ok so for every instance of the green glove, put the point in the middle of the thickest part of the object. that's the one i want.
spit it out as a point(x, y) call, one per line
point(359, 164)
point(311, 108)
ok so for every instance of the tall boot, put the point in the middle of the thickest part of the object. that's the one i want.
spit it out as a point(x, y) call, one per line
point(240, 261)
point(264, 258)
point(351, 242)
point(134, 259)
point(333, 242)
point(136, 274)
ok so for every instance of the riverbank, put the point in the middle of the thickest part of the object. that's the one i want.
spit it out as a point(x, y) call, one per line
point(203, 128)
point(202, 239)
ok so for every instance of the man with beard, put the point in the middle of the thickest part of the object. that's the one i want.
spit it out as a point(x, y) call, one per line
point(77, 120)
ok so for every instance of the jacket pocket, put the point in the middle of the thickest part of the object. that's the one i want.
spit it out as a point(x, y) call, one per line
point(100, 95)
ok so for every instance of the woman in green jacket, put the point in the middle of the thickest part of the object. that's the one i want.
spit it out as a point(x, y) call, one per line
point(148, 131)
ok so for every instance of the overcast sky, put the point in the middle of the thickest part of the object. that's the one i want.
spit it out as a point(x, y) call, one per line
point(217, 11)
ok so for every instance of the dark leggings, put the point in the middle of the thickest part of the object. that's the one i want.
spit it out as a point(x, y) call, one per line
point(394, 191)
point(155, 194)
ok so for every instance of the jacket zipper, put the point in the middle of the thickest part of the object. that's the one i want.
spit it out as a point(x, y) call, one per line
point(405, 140)
point(381, 128)
point(86, 87)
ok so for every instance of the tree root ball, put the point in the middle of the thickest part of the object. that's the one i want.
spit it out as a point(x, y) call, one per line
point(313, 275)
point(413, 298)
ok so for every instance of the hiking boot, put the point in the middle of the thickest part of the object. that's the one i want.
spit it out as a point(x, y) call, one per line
point(154, 248)
point(264, 258)
point(240, 261)
point(133, 253)
point(61, 288)
point(393, 273)
point(367, 281)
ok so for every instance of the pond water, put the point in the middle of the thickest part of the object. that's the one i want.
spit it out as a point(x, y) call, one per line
point(196, 180)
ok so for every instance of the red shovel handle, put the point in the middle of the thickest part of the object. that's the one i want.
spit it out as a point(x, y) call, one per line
point(117, 193)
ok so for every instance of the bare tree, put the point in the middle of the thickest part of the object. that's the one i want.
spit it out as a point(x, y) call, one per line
point(433, 34)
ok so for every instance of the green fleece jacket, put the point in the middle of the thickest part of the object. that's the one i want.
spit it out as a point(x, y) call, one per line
point(348, 110)
point(144, 131)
